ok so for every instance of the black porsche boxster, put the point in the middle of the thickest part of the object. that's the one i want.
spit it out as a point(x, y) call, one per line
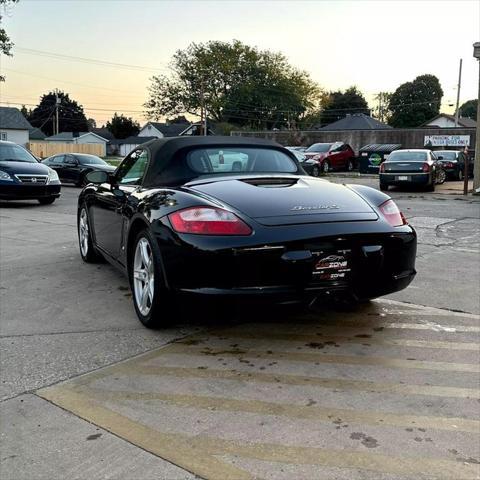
point(238, 217)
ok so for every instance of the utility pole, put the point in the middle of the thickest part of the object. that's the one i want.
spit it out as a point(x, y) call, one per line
point(203, 110)
point(476, 165)
point(57, 104)
point(458, 92)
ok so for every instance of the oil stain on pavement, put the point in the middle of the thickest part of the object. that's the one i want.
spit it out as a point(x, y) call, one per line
point(305, 398)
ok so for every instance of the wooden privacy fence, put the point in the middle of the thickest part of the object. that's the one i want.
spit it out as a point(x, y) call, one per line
point(46, 149)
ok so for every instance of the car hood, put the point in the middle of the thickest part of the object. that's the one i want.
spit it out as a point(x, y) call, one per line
point(24, 168)
point(287, 200)
point(319, 155)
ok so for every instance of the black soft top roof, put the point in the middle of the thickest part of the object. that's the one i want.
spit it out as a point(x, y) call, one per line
point(164, 150)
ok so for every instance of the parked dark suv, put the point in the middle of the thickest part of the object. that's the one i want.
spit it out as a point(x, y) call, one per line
point(323, 157)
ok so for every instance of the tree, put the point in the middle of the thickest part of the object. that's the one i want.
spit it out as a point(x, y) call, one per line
point(469, 109)
point(381, 111)
point(122, 127)
point(177, 119)
point(5, 43)
point(236, 83)
point(70, 114)
point(25, 111)
point(414, 103)
point(91, 124)
point(338, 104)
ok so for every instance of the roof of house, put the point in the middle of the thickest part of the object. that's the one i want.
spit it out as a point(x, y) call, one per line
point(171, 130)
point(36, 134)
point(103, 132)
point(12, 118)
point(357, 121)
point(462, 121)
point(69, 136)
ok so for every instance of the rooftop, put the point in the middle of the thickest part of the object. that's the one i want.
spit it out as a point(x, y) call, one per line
point(12, 118)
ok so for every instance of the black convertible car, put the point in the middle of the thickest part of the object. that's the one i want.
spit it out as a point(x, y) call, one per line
point(237, 217)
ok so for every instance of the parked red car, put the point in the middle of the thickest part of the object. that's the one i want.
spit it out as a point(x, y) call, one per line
point(323, 157)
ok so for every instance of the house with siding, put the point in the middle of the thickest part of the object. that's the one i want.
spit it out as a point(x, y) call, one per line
point(14, 127)
point(79, 138)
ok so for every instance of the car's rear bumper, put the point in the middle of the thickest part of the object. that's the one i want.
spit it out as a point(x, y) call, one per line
point(412, 178)
point(29, 192)
point(306, 293)
point(264, 272)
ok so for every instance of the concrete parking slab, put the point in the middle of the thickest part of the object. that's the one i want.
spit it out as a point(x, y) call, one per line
point(319, 392)
point(33, 447)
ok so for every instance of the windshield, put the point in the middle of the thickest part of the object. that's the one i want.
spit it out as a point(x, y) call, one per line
point(407, 156)
point(15, 153)
point(85, 159)
point(319, 147)
point(239, 160)
point(446, 155)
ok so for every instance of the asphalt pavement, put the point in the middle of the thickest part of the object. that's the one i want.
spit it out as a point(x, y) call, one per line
point(386, 391)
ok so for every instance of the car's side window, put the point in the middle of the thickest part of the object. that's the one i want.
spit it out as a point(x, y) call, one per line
point(70, 160)
point(132, 169)
point(57, 160)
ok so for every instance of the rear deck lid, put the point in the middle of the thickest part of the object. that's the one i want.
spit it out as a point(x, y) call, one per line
point(288, 200)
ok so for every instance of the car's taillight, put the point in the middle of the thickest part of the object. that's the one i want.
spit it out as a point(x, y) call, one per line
point(208, 221)
point(426, 167)
point(392, 214)
point(382, 167)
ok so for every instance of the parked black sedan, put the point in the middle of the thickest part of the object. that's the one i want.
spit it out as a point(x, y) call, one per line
point(453, 162)
point(235, 217)
point(73, 167)
point(22, 177)
point(415, 167)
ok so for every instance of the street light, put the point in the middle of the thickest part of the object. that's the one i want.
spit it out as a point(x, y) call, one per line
point(476, 165)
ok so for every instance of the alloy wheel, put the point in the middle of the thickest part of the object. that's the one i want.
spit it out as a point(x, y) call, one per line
point(143, 276)
point(83, 232)
point(325, 167)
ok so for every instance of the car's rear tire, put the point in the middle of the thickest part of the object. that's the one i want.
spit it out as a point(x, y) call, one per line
point(87, 249)
point(431, 187)
point(315, 171)
point(383, 187)
point(350, 166)
point(325, 166)
point(46, 201)
point(152, 300)
point(460, 175)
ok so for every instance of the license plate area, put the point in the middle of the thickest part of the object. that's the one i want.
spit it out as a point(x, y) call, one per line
point(403, 178)
point(333, 266)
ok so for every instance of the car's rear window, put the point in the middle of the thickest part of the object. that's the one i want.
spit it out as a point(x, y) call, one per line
point(407, 156)
point(222, 160)
point(446, 155)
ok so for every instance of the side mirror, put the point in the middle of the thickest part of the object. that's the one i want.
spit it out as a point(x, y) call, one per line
point(97, 177)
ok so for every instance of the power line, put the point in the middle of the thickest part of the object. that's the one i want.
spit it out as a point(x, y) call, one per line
point(65, 81)
point(93, 61)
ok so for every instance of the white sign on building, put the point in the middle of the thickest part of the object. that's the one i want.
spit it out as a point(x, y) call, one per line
point(447, 140)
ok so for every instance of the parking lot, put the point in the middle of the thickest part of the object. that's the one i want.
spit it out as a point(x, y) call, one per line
point(388, 390)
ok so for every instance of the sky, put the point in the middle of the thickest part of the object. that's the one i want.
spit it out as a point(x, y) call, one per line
point(375, 45)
